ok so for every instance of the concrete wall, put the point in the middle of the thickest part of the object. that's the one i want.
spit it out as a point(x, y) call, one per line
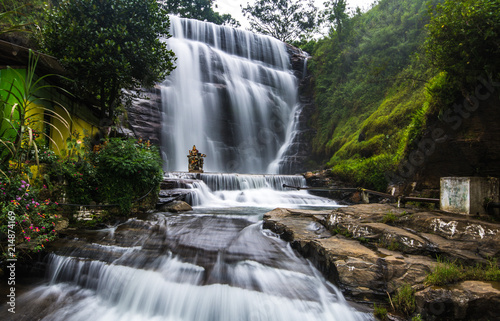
point(468, 195)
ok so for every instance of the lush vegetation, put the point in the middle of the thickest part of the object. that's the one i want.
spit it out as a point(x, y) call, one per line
point(121, 172)
point(32, 176)
point(464, 36)
point(108, 46)
point(370, 80)
point(118, 172)
point(380, 75)
point(447, 272)
point(27, 220)
point(19, 16)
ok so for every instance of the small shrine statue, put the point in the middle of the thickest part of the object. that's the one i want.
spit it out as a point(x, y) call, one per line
point(195, 161)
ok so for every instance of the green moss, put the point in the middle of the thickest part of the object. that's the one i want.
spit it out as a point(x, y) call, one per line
point(366, 172)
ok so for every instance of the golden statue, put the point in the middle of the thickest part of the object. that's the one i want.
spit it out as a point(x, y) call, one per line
point(195, 158)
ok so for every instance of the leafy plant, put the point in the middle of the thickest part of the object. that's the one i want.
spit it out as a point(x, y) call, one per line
point(463, 37)
point(8, 22)
point(23, 109)
point(126, 170)
point(404, 300)
point(389, 218)
point(417, 317)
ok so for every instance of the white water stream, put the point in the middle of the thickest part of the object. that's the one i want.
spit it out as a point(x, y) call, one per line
point(221, 190)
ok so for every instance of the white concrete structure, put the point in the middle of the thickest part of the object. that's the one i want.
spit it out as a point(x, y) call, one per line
point(468, 195)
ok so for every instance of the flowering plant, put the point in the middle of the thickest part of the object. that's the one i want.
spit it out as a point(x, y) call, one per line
point(31, 221)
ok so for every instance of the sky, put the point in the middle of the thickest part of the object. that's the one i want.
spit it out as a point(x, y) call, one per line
point(233, 7)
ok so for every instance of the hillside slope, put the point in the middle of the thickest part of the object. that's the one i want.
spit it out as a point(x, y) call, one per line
point(380, 96)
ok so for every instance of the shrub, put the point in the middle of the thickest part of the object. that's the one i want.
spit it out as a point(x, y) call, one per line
point(379, 312)
point(404, 300)
point(389, 218)
point(127, 169)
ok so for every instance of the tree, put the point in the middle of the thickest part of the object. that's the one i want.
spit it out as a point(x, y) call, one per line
point(285, 20)
point(335, 14)
point(464, 39)
point(109, 45)
point(200, 10)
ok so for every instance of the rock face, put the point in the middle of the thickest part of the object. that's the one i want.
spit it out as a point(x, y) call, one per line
point(297, 155)
point(464, 141)
point(371, 250)
point(145, 118)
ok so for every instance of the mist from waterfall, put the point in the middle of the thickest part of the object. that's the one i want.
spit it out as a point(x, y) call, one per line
point(233, 95)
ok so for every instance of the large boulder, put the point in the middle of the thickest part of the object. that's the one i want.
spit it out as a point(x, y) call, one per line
point(468, 300)
point(175, 207)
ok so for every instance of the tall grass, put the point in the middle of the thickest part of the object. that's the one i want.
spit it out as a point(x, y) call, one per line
point(447, 272)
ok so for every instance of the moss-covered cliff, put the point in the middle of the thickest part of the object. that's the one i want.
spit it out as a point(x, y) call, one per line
point(383, 90)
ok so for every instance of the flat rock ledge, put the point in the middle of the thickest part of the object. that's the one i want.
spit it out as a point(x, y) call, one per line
point(370, 250)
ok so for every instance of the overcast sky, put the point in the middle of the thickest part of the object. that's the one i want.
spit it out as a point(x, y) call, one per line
point(233, 7)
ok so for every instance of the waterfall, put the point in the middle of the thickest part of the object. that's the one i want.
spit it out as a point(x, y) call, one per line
point(223, 190)
point(233, 95)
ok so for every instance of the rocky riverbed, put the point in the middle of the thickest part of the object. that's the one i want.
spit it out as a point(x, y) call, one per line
point(371, 250)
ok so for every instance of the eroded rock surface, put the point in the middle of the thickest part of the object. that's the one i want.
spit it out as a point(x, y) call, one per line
point(370, 250)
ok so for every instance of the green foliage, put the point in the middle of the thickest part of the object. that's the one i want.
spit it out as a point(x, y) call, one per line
point(200, 10)
point(127, 170)
point(335, 14)
point(379, 312)
point(19, 16)
point(120, 172)
point(109, 45)
point(463, 37)
point(394, 246)
point(285, 20)
point(45, 154)
point(366, 172)
point(404, 300)
point(370, 76)
point(447, 272)
point(417, 317)
point(389, 218)
point(26, 222)
point(23, 111)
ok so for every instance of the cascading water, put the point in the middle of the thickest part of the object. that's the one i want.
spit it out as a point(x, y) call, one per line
point(183, 268)
point(232, 95)
point(236, 190)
